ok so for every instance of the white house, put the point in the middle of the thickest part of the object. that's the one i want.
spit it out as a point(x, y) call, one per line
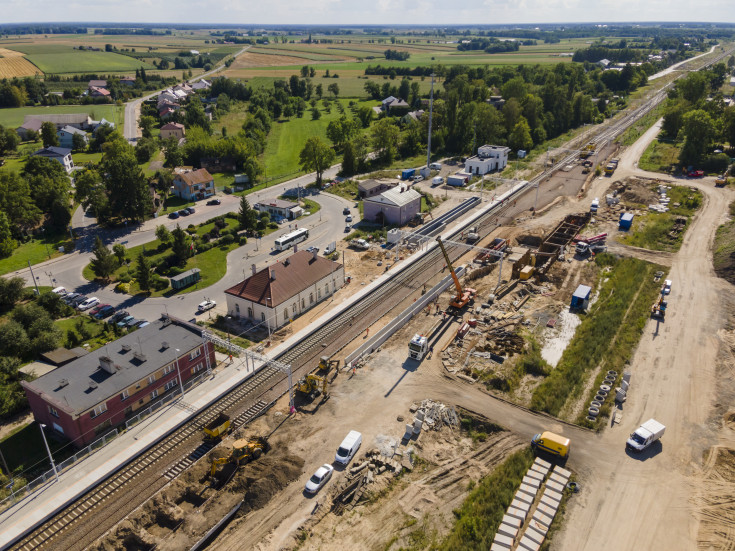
point(488, 158)
point(59, 154)
point(279, 293)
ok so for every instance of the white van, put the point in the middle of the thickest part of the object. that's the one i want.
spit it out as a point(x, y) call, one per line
point(59, 291)
point(437, 180)
point(435, 166)
point(348, 448)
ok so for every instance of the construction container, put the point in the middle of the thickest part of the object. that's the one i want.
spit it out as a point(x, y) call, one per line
point(626, 221)
point(581, 297)
point(218, 428)
point(407, 173)
point(457, 180)
point(526, 272)
point(185, 279)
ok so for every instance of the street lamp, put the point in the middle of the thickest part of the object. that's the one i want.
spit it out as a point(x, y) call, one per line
point(50, 457)
point(181, 383)
point(268, 321)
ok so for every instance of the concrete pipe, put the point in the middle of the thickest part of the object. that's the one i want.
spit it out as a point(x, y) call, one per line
point(573, 487)
point(612, 373)
point(600, 398)
point(596, 404)
point(593, 411)
point(606, 388)
point(602, 393)
point(591, 419)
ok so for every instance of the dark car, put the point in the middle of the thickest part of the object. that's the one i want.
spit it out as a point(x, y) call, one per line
point(77, 300)
point(118, 316)
point(69, 297)
point(104, 312)
point(183, 212)
point(132, 322)
point(125, 321)
point(97, 309)
point(214, 202)
point(139, 323)
point(173, 215)
point(190, 210)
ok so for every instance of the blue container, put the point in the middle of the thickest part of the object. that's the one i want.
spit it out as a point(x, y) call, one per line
point(626, 221)
point(581, 297)
point(406, 174)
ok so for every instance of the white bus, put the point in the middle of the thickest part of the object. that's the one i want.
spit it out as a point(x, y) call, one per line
point(290, 239)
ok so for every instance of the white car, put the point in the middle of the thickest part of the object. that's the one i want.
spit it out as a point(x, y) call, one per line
point(59, 291)
point(667, 287)
point(206, 305)
point(87, 304)
point(319, 478)
point(348, 219)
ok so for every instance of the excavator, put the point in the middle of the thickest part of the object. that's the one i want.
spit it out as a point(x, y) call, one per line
point(464, 296)
point(309, 385)
point(325, 365)
point(243, 450)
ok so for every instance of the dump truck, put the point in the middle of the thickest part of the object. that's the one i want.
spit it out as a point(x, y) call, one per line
point(610, 168)
point(217, 429)
point(243, 450)
point(645, 435)
point(464, 296)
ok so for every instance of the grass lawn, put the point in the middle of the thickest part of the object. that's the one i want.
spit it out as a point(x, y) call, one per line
point(13, 117)
point(660, 156)
point(92, 331)
point(37, 250)
point(24, 450)
point(212, 263)
point(724, 248)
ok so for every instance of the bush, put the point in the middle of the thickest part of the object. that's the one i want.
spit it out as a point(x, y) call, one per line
point(717, 162)
point(175, 270)
point(124, 278)
point(243, 240)
point(273, 225)
point(227, 239)
point(204, 247)
point(159, 283)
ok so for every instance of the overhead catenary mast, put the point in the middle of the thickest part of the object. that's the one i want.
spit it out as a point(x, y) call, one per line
point(431, 112)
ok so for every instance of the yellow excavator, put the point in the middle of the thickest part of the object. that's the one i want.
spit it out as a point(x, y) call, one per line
point(325, 365)
point(243, 450)
point(464, 296)
point(309, 385)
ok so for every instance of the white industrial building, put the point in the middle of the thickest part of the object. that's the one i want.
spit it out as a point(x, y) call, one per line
point(281, 292)
point(488, 158)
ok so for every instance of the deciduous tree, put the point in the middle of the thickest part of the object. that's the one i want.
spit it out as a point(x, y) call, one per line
point(48, 134)
point(316, 156)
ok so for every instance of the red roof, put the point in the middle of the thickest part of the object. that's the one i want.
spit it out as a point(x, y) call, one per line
point(173, 126)
point(200, 176)
point(295, 274)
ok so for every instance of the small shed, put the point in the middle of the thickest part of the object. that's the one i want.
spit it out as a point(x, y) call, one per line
point(457, 180)
point(626, 221)
point(581, 297)
point(186, 278)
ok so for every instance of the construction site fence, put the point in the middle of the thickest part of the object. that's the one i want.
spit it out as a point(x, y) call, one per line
point(165, 400)
point(19, 495)
point(385, 333)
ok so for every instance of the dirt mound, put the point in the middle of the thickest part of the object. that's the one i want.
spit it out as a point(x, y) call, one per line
point(717, 494)
point(262, 479)
point(636, 190)
point(529, 240)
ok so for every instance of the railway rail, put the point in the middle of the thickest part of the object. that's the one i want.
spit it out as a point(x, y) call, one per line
point(85, 520)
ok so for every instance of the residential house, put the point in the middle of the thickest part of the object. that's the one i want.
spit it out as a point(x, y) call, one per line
point(61, 154)
point(278, 208)
point(97, 84)
point(201, 85)
point(277, 294)
point(166, 113)
point(29, 129)
point(99, 92)
point(127, 81)
point(371, 188)
point(488, 158)
point(66, 136)
point(394, 207)
point(496, 101)
point(104, 122)
point(194, 184)
point(175, 129)
point(394, 106)
point(604, 63)
point(89, 396)
point(167, 96)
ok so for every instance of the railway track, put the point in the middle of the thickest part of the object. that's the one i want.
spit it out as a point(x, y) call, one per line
point(93, 514)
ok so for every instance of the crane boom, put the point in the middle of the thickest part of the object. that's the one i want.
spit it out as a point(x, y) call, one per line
point(451, 268)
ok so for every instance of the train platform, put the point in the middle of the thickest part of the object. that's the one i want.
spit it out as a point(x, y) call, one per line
point(83, 476)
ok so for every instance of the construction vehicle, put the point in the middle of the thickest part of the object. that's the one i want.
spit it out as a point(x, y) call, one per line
point(243, 450)
point(499, 244)
point(325, 365)
point(658, 310)
point(464, 296)
point(721, 180)
point(418, 347)
point(588, 150)
point(217, 429)
point(610, 168)
point(309, 385)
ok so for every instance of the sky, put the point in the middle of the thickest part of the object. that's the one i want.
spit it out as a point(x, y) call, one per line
point(361, 12)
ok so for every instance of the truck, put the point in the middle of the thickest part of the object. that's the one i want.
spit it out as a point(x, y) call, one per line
point(595, 205)
point(418, 347)
point(588, 150)
point(645, 435)
point(551, 443)
point(610, 168)
point(721, 180)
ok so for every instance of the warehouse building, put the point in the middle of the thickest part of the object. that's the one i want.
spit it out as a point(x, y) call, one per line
point(89, 396)
point(274, 295)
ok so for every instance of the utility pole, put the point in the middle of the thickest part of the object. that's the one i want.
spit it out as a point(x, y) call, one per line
point(50, 457)
point(34, 278)
point(431, 113)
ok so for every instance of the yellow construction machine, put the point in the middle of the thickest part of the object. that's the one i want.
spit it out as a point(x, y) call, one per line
point(243, 450)
point(325, 365)
point(309, 385)
point(464, 296)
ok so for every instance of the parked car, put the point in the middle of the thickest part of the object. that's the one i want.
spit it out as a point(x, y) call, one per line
point(213, 202)
point(183, 212)
point(69, 297)
point(59, 291)
point(348, 448)
point(131, 322)
point(87, 304)
point(78, 300)
point(97, 308)
point(206, 305)
point(144, 324)
point(435, 166)
point(173, 215)
point(117, 316)
point(139, 323)
point(346, 210)
point(696, 174)
point(667, 287)
point(348, 219)
point(124, 321)
point(104, 312)
point(312, 250)
point(348, 228)
point(190, 210)
point(319, 478)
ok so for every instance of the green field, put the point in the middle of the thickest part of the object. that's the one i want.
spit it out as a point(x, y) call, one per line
point(13, 117)
point(35, 251)
point(59, 58)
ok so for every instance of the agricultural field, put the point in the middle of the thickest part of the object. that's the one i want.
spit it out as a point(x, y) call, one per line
point(14, 64)
point(13, 117)
point(62, 59)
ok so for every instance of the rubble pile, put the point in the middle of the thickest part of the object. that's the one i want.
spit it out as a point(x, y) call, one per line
point(434, 415)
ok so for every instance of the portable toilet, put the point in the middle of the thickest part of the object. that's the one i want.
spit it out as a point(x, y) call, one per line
point(581, 297)
point(626, 221)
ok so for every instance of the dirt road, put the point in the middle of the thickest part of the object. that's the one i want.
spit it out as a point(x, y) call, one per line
point(648, 501)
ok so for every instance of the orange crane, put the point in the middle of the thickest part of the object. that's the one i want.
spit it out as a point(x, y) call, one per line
point(464, 296)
